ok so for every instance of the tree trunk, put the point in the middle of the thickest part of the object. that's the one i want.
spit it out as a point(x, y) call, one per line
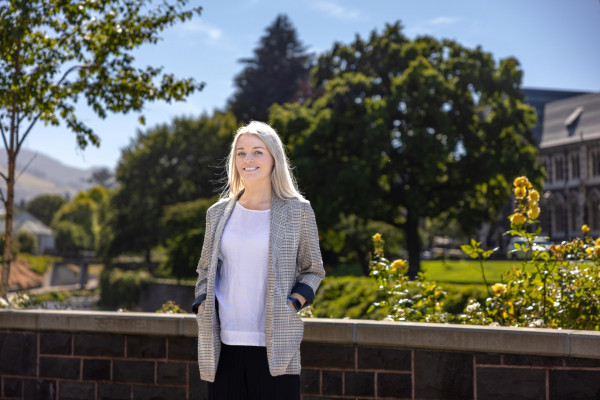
point(413, 242)
point(8, 233)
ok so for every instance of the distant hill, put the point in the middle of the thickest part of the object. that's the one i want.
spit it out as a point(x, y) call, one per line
point(44, 175)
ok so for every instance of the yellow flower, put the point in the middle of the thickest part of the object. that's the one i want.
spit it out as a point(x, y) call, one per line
point(585, 229)
point(377, 237)
point(517, 218)
point(534, 195)
point(557, 249)
point(498, 289)
point(533, 212)
point(598, 242)
point(522, 181)
point(520, 192)
point(399, 264)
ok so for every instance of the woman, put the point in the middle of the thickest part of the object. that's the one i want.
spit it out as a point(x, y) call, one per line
point(260, 265)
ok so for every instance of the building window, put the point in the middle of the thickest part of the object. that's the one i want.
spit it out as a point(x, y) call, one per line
point(595, 162)
point(559, 215)
point(593, 212)
point(575, 168)
point(573, 213)
point(548, 167)
point(559, 168)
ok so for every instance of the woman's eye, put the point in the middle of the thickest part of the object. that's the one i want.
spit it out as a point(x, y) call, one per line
point(258, 153)
point(240, 154)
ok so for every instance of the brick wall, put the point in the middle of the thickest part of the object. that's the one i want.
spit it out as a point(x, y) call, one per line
point(95, 355)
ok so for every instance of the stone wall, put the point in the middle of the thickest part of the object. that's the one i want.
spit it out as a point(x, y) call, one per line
point(102, 355)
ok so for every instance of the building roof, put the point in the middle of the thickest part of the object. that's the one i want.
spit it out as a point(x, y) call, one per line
point(572, 120)
point(26, 222)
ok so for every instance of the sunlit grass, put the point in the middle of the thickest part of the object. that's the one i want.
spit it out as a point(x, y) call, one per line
point(466, 271)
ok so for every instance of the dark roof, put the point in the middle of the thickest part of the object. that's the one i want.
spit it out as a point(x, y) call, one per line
point(571, 120)
point(538, 98)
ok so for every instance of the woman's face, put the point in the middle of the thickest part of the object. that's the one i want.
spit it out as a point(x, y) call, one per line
point(253, 160)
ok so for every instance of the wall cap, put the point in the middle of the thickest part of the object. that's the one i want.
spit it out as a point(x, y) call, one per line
point(447, 337)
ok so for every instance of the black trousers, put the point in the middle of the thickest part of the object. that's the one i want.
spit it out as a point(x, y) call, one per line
point(243, 374)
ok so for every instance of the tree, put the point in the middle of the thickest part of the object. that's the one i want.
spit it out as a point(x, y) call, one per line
point(408, 129)
point(184, 225)
point(103, 177)
point(165, 165)
point(44, 207)
point(54, 52)
point(276, 74)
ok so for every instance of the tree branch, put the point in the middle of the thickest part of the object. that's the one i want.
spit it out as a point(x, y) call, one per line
point(3, 135)
point(73, 68)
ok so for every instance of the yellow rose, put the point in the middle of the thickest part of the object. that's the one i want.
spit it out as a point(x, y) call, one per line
point(399, 264)
point(598, 242)
point(498, 289)
point(557, 249)
point(534, 195)
point(533, 212)
point(522, 181)
point(585, 229)
point(377, 237)
point(520, 192)
point(517, 218)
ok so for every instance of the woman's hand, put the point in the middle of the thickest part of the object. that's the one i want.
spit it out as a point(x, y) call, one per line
point(201, 308)
point(299, 297)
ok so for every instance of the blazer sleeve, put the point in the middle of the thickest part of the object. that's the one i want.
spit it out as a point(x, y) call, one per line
point(203, 264)
point(310, 263)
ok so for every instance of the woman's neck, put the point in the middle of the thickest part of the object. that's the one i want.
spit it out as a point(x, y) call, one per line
point(255, 198)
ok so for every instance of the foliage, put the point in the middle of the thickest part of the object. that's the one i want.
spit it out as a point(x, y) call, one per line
point(275, 74)
point(165, 165)
point(70, 237)
point(410, 129)
point(170, 307)
point(346, 297)
point(19, 301)
point(78, 222)
point(44, 207)
point(121, 289)
point(184, 225)
point(40, 264)
point(555, 290)
point(54, 53)
point(26, 242)
point(404, 299)
point(345, 243)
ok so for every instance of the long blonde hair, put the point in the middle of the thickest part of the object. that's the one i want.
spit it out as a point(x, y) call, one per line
point(283, 182)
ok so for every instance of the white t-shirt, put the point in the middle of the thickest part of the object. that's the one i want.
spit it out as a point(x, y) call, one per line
point(242, 279)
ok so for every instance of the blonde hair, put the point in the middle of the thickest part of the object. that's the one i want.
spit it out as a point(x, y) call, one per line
point(283, 182)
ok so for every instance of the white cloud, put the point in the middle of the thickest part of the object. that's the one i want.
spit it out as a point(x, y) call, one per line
point(335, 10)
point(213, 33)
point(443, 21)
point(434, 26)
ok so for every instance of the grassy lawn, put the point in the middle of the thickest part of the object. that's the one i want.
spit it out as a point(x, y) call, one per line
point(466, 271)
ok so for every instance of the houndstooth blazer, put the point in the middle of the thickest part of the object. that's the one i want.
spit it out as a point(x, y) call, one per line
point(295, 265)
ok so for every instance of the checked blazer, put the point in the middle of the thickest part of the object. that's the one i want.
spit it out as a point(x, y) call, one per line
point(295, 265)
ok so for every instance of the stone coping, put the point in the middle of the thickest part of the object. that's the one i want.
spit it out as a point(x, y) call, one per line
point(448, 337)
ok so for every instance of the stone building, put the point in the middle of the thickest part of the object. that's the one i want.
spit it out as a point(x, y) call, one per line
point(569, 150)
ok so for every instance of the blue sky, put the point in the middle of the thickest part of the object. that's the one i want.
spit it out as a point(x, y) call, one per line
point(556, 42)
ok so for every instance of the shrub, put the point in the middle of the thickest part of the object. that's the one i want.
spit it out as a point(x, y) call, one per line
point(26, 242)
point(121, 289)
point(556, 289)
point(401, 298)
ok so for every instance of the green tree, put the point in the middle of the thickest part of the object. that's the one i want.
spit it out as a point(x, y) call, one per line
point(276, 74)
point(166, 165)
point(55, 52)
point(80, 220)
point(44, 207)
point(184, 225)
point(409, 129)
